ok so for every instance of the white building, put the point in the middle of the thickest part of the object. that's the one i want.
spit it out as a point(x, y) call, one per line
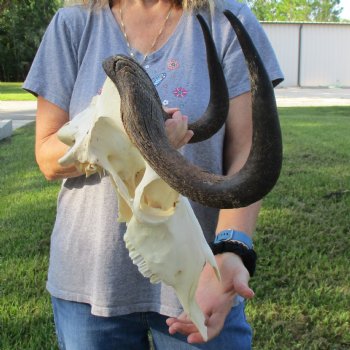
point(312, 54)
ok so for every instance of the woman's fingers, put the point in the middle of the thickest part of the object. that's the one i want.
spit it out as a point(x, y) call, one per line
point(177, 128)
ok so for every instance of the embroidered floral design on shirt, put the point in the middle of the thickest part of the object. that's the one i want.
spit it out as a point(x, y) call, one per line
point(158, 79)
point(173, 64)
point(180, 92)
point(181, 105)
point(165, 102)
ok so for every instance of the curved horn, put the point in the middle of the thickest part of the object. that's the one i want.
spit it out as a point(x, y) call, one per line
point(215, 115)
point(142, 116)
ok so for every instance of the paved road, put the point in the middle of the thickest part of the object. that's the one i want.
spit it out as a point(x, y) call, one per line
point(294, 97)
point(23, 112)
point(20, 112)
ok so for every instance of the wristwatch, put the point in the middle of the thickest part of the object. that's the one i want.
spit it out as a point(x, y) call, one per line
point(234, 236)
point(236, 242)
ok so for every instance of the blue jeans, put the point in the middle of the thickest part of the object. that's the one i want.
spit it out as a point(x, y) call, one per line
point(78, 329)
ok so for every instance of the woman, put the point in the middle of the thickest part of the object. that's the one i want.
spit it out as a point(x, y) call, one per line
point(99, 298)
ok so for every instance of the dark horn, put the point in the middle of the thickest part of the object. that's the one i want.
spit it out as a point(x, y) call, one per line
point(216, 114)
point(142, 115)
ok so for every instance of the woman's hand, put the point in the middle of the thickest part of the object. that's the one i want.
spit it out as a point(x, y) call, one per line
point(215, 298)
point(176, 128)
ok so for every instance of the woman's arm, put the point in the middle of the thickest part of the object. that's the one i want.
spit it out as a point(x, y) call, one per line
point(238, 140)
point(216, 298)
point(48, 148)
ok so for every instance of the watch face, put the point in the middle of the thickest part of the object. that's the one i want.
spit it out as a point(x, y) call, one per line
point(223, 236)
point(235, 236)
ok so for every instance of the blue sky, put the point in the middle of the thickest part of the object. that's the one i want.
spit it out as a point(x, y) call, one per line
point(346, 8)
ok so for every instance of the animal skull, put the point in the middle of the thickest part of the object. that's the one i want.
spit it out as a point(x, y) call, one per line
point(163, 236)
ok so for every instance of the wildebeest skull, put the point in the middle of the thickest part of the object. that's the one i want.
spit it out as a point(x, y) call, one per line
point(122, 132)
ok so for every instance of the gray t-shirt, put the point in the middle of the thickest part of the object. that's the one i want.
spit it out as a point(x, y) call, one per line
point(88, 259)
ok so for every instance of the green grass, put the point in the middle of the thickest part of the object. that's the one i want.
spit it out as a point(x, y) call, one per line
point(302, 282)
point(27, 208)
point(303, 238)
point(14, 92)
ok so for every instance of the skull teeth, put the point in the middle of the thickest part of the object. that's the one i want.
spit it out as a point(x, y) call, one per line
point(155, 279)
point(140, 262)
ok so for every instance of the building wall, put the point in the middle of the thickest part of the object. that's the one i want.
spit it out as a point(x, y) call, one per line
point(312, 54)
point(285, 41)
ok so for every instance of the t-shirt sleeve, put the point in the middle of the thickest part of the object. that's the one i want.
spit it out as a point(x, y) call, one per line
point(54, 69)
point(234, 65)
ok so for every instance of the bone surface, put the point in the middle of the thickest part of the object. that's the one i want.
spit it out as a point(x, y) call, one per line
point(163, 235)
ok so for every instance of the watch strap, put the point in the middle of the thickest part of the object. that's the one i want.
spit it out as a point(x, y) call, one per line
point(235, 236)
point(248, 256)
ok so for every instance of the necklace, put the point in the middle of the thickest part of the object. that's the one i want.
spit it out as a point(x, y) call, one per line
point(155, 39)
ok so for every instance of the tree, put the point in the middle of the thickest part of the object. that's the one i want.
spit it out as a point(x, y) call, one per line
point(296, 10)
point(22, 24)
point(264, 10)
point(3, 5)
point(326, 11)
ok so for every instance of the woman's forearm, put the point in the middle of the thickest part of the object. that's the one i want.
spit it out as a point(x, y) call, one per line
point(241, 219)
point(238, 144)
point(48, 152)
point(48, 148)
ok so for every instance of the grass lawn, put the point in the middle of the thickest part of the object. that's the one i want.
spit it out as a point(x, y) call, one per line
point(302, 282)
point(14, 92)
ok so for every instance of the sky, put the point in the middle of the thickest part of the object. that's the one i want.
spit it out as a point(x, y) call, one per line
point(345, 4)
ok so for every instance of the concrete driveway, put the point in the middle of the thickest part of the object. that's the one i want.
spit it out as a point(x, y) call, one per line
point(20, 112)
point(23, 112)
point(300, 97)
